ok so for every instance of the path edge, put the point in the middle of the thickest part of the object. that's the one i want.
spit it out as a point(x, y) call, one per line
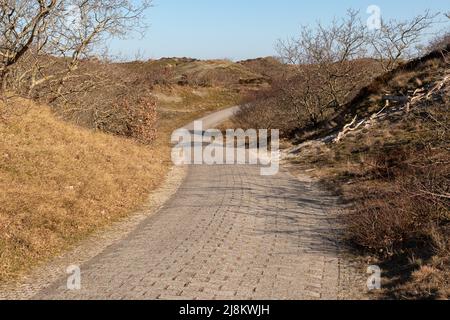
point(43, 276)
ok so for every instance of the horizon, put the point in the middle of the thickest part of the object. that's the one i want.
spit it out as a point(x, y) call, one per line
point(242, 31)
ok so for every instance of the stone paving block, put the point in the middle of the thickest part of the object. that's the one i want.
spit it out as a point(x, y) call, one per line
point(228, 233)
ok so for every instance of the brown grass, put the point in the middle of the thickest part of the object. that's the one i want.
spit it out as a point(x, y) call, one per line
point(59, 183)
point(198, 73)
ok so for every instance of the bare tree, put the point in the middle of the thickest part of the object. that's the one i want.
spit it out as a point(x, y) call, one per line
point(21, 23)
point(342, 41)
point(396, 40)
point(324, 57)
point(33, 32)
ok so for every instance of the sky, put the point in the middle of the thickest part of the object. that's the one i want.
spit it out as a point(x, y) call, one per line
point(244, 29)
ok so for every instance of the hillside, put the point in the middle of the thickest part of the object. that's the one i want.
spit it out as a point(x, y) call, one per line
point(386, 153)
point(402, 82)
point(186, 88)
point(206, 73)
point(60, 182)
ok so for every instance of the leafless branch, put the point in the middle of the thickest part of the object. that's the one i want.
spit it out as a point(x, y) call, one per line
point(396, 40)
point(32, 32)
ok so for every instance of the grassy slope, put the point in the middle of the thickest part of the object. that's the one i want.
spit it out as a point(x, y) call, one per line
point(171, 70)
point(59, 183)
point(338, 159)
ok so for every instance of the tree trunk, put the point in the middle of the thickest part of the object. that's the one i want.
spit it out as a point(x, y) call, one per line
point(3, 75)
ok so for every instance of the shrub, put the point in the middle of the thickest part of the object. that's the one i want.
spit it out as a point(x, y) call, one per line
point(136, 118)
point(408, 211)
point(101, 96)
point(406, 199)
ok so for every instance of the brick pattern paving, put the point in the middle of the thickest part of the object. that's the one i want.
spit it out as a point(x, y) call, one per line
point(228, 233)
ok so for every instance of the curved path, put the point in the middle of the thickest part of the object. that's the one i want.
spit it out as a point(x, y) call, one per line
point(228, 233)
point(214, 119)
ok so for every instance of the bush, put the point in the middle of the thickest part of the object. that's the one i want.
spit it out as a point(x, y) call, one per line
point(133, 117)
point(408, 211)
point(296, 104)
point(100, 96)
point(405, 203)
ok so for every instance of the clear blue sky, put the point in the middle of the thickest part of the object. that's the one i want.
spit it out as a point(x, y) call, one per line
point(240, 29)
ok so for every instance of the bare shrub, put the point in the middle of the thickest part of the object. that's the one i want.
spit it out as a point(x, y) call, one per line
point(33, 31)
point(264, 109)
point(327, 70)
point(52, 51)
point(406, 201)
point(294, 104)
point(408, 212)
point(397, 41)
point(439, 42)
point(137, 118)
point(22, 23)
point(324, 58)
point(115, 102)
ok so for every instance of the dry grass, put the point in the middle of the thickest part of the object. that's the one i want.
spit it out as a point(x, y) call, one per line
point(59, 183)
point(188, 99)
point(197, 73)
point(401, 209)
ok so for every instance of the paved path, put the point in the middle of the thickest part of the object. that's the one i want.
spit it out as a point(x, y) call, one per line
point(228, 233)
point(214, 119)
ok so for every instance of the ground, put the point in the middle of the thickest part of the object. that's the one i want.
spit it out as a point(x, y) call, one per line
point(227, 233)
